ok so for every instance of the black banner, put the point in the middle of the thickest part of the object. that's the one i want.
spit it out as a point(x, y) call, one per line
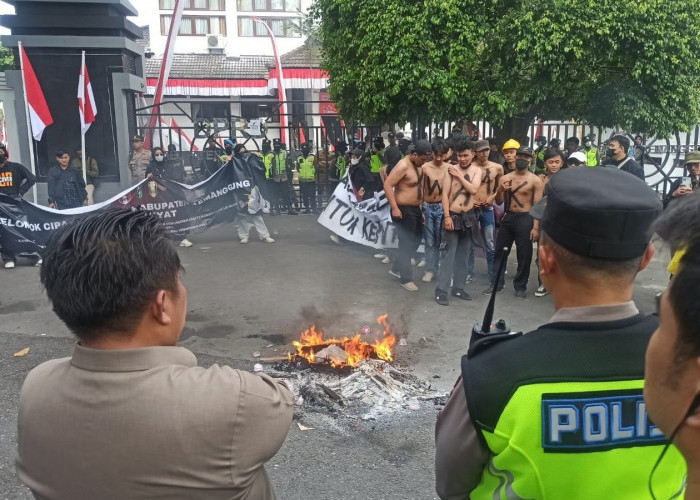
point(25, 228)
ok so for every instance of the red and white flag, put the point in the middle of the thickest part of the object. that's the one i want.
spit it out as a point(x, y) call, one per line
point(183, 134)
point(39, 113)
point(86, 99)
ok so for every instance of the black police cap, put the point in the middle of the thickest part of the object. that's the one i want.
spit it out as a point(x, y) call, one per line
point(601, 213)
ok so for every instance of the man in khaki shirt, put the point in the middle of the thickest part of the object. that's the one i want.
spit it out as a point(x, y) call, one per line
point(130, 414)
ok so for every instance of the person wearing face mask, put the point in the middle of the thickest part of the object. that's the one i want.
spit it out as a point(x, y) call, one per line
point(306, 166)
point(591, 152)
point(518, 191)
point(229, 151)
point(161, 168)
point(15, 180)
point(360, 176)
point(617, 156)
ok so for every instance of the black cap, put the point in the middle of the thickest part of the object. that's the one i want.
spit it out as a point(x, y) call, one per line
point(422, 147)
point(276, 141)
point(598, 212)
point(358, 152)
point(237, 148)
point(524, 150)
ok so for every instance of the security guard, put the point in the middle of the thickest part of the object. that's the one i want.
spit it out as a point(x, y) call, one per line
point(307, 178)
point(280, 177)
point(559, 412)
point(376, 160)
point(267, 156)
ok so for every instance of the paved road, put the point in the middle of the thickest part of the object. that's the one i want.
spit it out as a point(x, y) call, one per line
point(243, 298)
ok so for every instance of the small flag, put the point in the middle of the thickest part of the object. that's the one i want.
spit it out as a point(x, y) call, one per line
point(86, 99)
point(39, 113)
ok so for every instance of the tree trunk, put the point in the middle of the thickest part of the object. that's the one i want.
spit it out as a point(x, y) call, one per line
point(514, 127)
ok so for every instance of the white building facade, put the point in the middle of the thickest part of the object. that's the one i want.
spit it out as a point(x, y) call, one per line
point(227, 25)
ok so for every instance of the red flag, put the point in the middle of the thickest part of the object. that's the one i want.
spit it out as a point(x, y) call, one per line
point(38, 109)
point(176, 127)
point(302, 136)
point(86, 99)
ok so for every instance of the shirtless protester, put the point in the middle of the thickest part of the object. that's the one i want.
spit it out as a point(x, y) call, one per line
point(460, 184)
point(404, 191)
point(510, 151)
point(433, 175)
point(519, 191)
point(483, 201)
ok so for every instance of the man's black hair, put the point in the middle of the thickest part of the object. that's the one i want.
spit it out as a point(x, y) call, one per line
point(463, 145)
point(573, 139)
point(440, 146)
point(101, 272)
point(623, 140)
point(61, 152)
point(550, 153)
point(3, 148)
point(680, 227)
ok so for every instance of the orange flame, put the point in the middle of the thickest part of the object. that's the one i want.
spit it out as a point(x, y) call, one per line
point(355, 347)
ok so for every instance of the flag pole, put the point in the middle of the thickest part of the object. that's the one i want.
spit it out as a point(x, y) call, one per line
point(82, 132)
point(29, 125)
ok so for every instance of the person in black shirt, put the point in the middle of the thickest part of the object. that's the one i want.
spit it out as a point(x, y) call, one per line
point(617, 156)
point(161, 168)
point(15, 180)
point(360, 176)
point(66, 185)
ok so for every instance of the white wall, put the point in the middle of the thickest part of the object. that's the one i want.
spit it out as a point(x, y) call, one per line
point(149, 14)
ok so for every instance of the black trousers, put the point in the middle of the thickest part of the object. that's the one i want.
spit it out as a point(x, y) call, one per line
point(282, 198)
point(308, 194)
point(516, 227)
point(410, 232)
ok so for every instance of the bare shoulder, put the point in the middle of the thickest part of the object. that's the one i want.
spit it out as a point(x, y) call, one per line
point(496, 167)
point(535, 178)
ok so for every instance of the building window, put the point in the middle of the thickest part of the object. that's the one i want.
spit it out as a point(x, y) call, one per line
point(196, 25)
point(250, 110)
point(269, 5)
point(284, 27)
point(211, 110)
point(194, 4)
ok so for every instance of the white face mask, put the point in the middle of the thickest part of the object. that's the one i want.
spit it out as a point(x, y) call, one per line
point(354, 161)
point(159, 157)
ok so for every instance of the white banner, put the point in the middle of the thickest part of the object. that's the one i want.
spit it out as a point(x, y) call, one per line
point(367, 222)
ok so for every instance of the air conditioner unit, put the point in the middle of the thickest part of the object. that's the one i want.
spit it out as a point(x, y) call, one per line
point(216, 41)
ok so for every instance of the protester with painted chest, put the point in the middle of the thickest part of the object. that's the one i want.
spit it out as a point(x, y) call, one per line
point(491, 174)
point(460, 184)
point(519, 191)
point(433, 178)
point(558, 412)
point(404, 191)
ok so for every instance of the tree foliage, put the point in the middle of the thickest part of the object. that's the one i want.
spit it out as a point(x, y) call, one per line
point(7, 59)
point(627, 63)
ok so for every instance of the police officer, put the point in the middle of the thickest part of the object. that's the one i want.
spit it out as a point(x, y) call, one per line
point(307, 178)
point(376, 160)
point(280, 177)
point(266, 153)
point(558, 412)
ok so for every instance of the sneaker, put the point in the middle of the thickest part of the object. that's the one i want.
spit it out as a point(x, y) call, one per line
point(410, 286)
point(460, 294)
point(268, 239)
point(489, 290)
point(441, 298)
point(335, 239)
point(386, 260)
point(541, 291)
point(39, 263)
point(413, 262)
point(185, 243)
point(428, 277)
point(470, 278)
point(292, 212)
point(394, 274)
point(10, 264)
point(380, 256)
point(421, 263)
point(244, 240)
point(520, 294)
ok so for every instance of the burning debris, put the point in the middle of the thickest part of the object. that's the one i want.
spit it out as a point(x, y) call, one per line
point(346, 351)
point(348, 375)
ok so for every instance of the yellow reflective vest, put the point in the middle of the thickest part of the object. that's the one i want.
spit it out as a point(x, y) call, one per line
point(307, 170)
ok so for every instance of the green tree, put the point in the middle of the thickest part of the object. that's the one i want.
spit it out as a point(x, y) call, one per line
point(7, 58)
point(626, 63)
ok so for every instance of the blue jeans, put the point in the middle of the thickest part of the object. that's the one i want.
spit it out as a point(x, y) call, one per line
point(431, 232)
point(487, 223)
